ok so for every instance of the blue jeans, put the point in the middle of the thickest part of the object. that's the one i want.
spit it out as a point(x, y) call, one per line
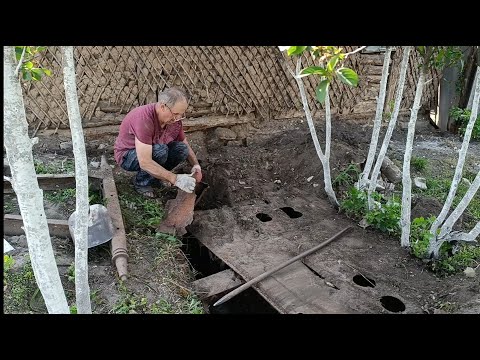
point(167, 156)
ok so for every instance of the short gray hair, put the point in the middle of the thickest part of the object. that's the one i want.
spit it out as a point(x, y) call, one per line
point(171, 96)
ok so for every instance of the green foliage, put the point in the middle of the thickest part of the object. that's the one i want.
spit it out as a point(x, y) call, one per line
point(387, 217)
point(420, 236)
point(468, 255)
point(193, 305)
point(60, 196)
point(296, 50)
point(19, 287)
point(333, 57)
point(8, 262)
point(140, 212)
point(129, 302)
point(418, 163)
point(440, 57)
point(71, 273)
point(7, 207)
point(73, 309)
point(66, 166)
point(461, 118)
point(95, 197)
point(30, 68)
point(348, 76)
point(355, 204)
point(347, 177)
point(322, 90)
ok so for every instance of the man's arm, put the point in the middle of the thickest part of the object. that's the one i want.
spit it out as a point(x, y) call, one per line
point(192, 158)
point(144, 154)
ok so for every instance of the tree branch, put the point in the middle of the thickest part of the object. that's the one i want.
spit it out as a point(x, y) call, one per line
point(20, 62)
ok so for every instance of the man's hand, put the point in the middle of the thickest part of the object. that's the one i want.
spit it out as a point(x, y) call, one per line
point(196, 172)
point(185, 182)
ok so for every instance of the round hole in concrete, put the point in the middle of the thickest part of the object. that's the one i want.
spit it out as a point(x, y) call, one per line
point(264, 217)
point(392, 304)
point(363, 281)
point(291, 212)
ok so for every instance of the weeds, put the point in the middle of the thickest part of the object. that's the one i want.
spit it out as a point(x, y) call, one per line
point(418, 163)
point(461, 118)
point(347, 177)
point(19, 286)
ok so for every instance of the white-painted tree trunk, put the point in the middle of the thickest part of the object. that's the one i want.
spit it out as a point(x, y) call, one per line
point(407, 180)
point(363, 181)
point(470, 98)
point(446, 233)
point(18, 146)
point(391, 124)
point(82, 289)
point(323, 158)
point(461, 161)
point(326, 165)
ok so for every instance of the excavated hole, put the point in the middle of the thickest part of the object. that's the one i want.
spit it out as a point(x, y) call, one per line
point(392, 304)
point(204, 263)
point(264, 217)
point(291, 212)
point(363, 281)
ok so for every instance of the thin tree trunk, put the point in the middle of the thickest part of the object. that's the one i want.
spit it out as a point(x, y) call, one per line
point(326, 166)
point(82, 289)
point(325, 163)
point(18, 146)
point(461, 161)
point(407, 181)
point(391, 124)
point(446, 229)
point(378, 120)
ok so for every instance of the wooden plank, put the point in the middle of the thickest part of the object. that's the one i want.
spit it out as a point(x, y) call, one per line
point(56, 181)
point(251, 247)
point(216, 284)
point(12, 225)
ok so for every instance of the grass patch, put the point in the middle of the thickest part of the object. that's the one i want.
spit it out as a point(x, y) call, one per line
point(54, 167)
point(19, 286)
point(140, 213)
point(418, 164)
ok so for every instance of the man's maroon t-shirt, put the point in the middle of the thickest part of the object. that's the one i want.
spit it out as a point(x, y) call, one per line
point(142, 123)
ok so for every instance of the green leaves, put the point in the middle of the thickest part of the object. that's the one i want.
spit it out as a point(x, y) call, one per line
point(321, 90)
point(296, 50)
point(314, 70)
point(28, 68)
point(348, 76)
point(333, 57)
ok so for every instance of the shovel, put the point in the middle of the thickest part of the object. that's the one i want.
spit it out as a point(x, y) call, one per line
point(100, 227)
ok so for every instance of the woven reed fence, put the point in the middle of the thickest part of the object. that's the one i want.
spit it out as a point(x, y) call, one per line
point(234, 80)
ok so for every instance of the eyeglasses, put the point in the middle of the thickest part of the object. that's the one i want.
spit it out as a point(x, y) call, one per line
point(176, 115)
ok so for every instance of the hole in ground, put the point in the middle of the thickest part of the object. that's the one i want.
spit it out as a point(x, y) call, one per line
point(264, 217)
point(392, 304)
point(291, 212)
point(363, 281)
point(205, 263)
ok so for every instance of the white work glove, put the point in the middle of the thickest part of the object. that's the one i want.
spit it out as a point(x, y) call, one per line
point(196, 172)
point(185, 182)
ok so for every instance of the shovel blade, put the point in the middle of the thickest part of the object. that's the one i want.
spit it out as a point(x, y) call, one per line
point(100, 227)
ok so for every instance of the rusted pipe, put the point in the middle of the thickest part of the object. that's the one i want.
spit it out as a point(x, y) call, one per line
point(119, 240)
